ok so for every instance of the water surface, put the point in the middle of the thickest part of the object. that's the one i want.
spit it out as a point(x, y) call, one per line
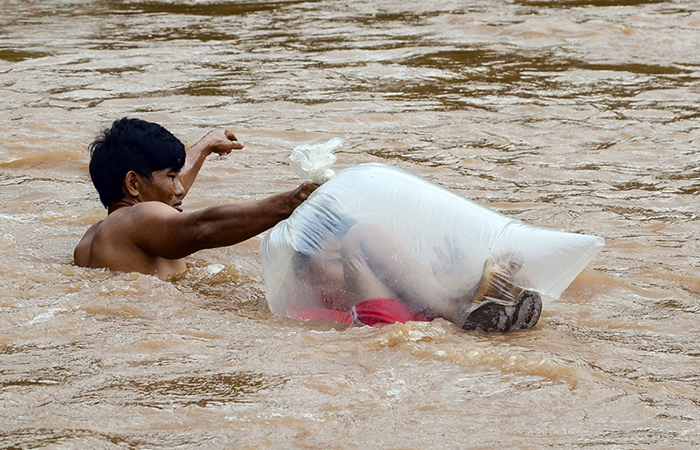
point(575, 115)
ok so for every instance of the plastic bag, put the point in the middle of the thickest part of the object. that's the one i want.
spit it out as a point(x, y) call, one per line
point(313, 161)
point(451, 237)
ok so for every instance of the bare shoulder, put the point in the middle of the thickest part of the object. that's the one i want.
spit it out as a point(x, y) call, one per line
point(128, 225)
point(121, 225)
point(81, 254)
point(123, 241)
point(145, 211)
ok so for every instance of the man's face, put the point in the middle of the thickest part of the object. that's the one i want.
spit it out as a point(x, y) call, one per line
point(164, 186)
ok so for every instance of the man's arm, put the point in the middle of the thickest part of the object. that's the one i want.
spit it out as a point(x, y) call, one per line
point(220, 142)
point(162, 231)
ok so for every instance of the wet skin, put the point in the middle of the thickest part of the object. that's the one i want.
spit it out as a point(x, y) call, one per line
point(147, 231)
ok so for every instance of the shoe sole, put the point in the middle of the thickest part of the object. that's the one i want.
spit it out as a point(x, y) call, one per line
point(491, 316)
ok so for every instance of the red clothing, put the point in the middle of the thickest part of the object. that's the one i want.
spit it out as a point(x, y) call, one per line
point(377, 311)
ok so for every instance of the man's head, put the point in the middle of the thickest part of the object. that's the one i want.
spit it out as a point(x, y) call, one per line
point(131, 145)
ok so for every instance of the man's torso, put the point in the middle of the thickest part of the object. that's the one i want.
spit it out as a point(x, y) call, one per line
point(110, 244)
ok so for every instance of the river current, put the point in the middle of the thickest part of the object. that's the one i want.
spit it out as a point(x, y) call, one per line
point(574, 115)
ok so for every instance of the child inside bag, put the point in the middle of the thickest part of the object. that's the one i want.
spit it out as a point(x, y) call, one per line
point(363, 274)
point(378, 245)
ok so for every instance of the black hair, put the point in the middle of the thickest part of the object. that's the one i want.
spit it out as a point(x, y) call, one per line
point(131, 144)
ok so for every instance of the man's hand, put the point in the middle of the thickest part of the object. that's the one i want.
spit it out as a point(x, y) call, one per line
point(220, 142)
point(300, 194)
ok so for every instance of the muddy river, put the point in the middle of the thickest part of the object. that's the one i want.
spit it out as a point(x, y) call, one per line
point(574, 115)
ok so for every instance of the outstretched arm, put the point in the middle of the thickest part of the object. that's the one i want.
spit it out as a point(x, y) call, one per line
point(220, 142)
point(162, 231)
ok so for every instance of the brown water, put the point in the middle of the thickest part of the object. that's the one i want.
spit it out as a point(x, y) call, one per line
point(576, 115)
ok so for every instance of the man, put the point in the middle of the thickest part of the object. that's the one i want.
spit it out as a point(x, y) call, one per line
point(142, 173)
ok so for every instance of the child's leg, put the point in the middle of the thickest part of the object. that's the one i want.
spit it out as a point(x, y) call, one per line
point(376, 264)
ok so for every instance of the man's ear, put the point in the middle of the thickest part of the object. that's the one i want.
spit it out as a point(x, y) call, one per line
point(131, 184)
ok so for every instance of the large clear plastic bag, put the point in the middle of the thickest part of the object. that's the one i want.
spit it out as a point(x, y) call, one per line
point(451, 236)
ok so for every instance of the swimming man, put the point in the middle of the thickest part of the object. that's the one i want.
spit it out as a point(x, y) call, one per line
point(142, 173)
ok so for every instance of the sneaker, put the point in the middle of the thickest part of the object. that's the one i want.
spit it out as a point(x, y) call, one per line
point(493, 315)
